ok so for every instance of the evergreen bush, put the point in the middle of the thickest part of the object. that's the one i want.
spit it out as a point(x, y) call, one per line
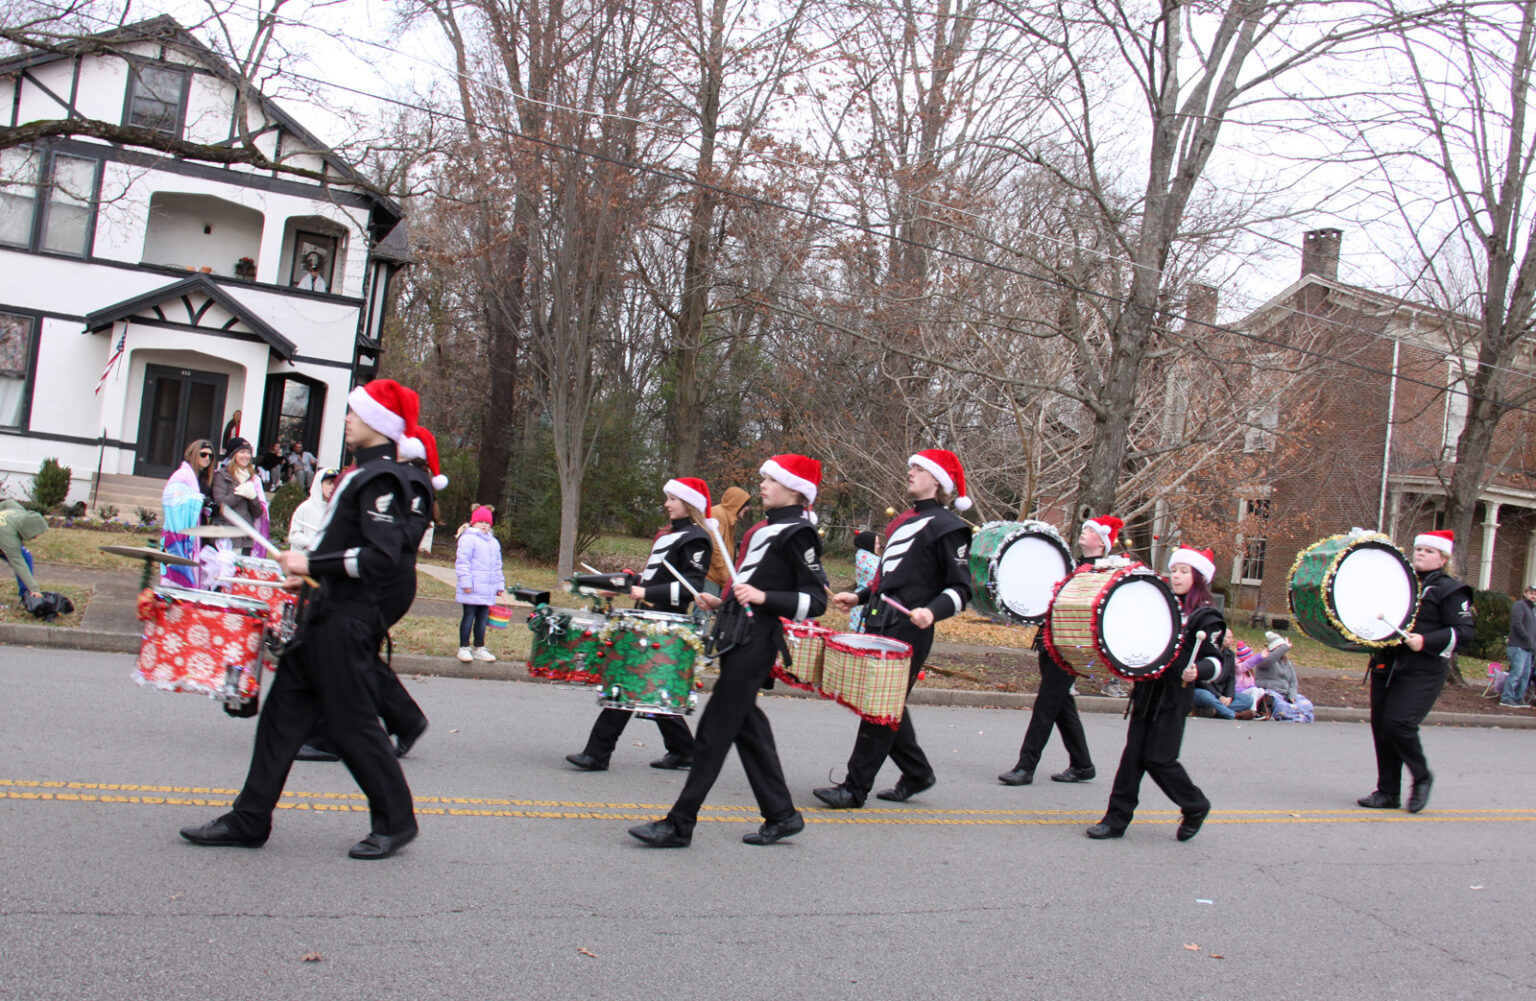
point(49, 487)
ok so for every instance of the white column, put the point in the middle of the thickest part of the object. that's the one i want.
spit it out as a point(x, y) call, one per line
point(1490, 535)
point(1530, 560)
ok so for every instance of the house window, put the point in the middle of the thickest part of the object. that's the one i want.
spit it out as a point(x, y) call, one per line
point(1260, 436)
point(16, 333)
point(47, 201)
point(155, 98)
point(314, 261)
point(1253, 560)
point(1253, 515)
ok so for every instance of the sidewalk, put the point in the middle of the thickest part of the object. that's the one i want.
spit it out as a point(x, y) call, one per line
point(111, 625)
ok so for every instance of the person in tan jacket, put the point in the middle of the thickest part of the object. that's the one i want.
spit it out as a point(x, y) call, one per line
point(727, 513)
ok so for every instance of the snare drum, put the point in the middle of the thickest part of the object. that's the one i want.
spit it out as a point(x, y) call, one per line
point(807, 644)
point(868, 674)
point(284, 605)
point(203, 642)
point(565, 644)
point(648, 662)
point(1123, 618)
point(1339, 586)
point(1016, 566)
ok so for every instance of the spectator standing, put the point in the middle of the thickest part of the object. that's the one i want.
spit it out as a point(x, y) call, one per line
point(865, 562)
point(236, 484)
point(1522, 642)
point(727, 513)
point(304, 524)
point(481, 583)
point(231, 431)
point(181, 508)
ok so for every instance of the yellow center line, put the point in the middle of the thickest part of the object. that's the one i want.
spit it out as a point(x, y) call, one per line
point(63, 791)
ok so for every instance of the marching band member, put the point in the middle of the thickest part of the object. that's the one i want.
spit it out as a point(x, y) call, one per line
point(925, 569)
point(685, 544)
point(1054, 703)
point(362, 557)
point(1160, 706)
point(778, 575)
point(1406, 679)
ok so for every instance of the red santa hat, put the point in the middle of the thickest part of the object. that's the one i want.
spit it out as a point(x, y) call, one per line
point(945, 467)
point(798, 473)
point(691, 491)
point(422, 444)
point(1202, 561)
point(1444, 541)
point(1106, 527)
point(386, 406)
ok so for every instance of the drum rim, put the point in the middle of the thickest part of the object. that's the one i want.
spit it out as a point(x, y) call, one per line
point(1377, 540)
point(226, 602)
point(1036, 528)
point(835, 642)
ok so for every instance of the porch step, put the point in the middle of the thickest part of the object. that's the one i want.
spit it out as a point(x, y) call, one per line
point(129, 493)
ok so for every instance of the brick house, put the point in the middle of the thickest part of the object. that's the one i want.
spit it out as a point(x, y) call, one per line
point(1382, 412)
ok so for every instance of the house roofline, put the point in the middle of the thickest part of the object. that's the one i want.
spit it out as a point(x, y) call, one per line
point(103, 318)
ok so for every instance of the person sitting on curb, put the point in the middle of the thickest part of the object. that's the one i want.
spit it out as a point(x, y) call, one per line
point(1221, 697)
point(1276, 673)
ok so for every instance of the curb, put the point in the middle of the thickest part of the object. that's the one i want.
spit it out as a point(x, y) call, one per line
point(57, 638)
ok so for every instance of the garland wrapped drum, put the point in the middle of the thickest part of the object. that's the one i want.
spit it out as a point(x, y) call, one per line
point(647, 662)
point(1016, 566)
point(566, 642)
point(1118, 615)
point(1350, 591)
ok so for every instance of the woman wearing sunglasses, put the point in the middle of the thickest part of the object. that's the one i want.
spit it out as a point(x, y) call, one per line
point(182, 504)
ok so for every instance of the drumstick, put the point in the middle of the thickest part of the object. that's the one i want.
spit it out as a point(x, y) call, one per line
point(1194, 650)
point(903, 609)
point(730, 564)
point(680, 579)
point(233, 517)
point(1383, 617)
point(590, 568)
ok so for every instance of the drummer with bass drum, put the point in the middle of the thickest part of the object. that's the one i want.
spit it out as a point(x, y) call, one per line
point(1406, 679)
point(924, 577)
point(684, 545)
point(1160, 706)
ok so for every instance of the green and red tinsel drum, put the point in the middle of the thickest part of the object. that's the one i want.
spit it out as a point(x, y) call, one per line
point(1016, 565)
point(647, 662)
point(1116, 614)
point(566, 643)
point(1349, 591)
point(807, 643)
point(868, 674)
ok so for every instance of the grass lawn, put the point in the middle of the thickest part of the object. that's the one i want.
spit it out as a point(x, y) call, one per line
point(81, 547)
point(12, 612)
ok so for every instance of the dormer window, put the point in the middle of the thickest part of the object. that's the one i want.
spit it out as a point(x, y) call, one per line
point(156, 98)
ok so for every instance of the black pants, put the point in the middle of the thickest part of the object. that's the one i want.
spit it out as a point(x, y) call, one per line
point(400, 713)
point(331, 674)
point(1152, 748)
point(731, 716)
point(611, 723)
point(874, 742)
point(1399, 702)
point(474, 617)
point(1054, 706)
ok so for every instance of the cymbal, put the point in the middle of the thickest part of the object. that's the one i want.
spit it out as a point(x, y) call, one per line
point(146, 553)
point(214, 532)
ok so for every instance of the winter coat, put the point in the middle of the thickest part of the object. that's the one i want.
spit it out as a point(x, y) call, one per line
point(224, 487)
point(1276, 673)
point(305, 521)
point(1522, 625)
point(727, 513)
point(17, 525)
point(478, 565)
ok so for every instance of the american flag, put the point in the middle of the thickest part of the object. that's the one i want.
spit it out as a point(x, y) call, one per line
point(112, 362)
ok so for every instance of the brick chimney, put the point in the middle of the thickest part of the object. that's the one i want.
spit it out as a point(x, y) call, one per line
point(1320, 253)
point(1200, 308)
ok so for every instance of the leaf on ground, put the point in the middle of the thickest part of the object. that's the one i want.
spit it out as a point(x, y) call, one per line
point(1192, 947)
point(584, 952)
point(1216, 955)
point(313, 957)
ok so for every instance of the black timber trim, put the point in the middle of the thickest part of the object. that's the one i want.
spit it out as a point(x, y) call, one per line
point(71, 439)
point(103, 318)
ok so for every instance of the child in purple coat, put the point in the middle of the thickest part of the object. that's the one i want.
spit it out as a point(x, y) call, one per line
point(481, 582)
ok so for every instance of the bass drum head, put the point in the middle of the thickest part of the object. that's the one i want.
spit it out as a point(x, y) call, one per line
point(1139, 627)
point(1027, 572)
point(1372, 579)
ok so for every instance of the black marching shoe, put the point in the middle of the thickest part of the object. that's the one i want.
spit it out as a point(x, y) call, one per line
point(587, 763)
point(377, 846)
point(309, 752)
point(1017, 777)
point(405, 742)
point(778, 830)
point(1075, 775)
point(660, 834)
point(673, 760)
point(1418, 796)
point(1101, 830)
point(1379, 801)
point(839, 797)
point(217, 833)
point(905, 788)
point(1190, 825)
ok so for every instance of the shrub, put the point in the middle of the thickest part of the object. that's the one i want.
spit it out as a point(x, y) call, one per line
point(106, 512)
point(146, 516)
point(50, 486)
point(280, 507)
point(1492, 618)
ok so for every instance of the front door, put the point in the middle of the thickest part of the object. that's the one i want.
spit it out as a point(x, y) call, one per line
point(180, 406)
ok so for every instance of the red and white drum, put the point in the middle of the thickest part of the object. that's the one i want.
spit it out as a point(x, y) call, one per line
point(283, 604)
point(1117, 615)
point(202, 642)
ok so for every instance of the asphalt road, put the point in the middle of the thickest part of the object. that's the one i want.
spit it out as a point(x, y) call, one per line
point(524, 884)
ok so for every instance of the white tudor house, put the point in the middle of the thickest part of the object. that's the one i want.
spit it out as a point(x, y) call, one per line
point(107, 245)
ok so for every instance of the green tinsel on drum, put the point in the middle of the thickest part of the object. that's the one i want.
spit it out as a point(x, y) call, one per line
point(566, 644)
point(1340, 587)
point(648, 665)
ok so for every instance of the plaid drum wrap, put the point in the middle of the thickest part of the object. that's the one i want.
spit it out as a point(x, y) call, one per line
point(1141, 646)
point(202, 642)
point(1339, 585)
point(868, 674)
point(807, 642)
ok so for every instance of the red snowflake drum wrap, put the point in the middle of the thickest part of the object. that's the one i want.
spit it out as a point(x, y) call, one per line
point(1122, 618)
point(283, 605)
point(202, 642)
point(807, 643)
point(868, 674)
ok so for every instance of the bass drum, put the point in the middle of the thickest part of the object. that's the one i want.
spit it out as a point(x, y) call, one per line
point(1015, 566)
point(1124, 619)
point(1348, 591)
